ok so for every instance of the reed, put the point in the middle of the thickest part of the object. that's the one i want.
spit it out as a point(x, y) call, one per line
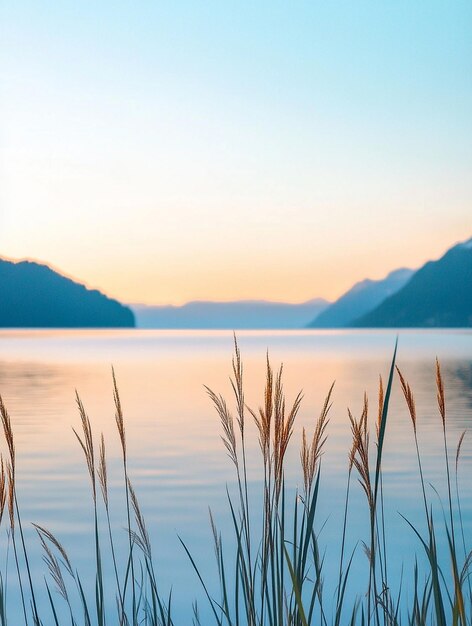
point(270, 558)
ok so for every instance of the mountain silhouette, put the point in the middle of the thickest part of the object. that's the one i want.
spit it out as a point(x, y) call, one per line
point(360, 299)
point(438, 295)
point(33, 295)
point(229, 315)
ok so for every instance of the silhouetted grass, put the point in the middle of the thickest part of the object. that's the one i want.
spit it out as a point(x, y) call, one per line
point(273, 574)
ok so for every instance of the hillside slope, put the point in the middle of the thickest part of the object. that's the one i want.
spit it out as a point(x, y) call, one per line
point(438, 295)
point(33, 295)
point(360, 299)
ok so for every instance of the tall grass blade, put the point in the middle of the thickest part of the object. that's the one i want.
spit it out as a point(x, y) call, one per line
point(296, 588)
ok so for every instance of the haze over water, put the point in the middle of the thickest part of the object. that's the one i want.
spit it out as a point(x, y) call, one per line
point(177, 460)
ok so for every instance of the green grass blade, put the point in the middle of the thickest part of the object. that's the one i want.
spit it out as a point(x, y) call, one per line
point(383, 421)
point(296, 588)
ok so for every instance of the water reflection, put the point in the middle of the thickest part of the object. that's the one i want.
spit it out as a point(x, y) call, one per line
point(177, 460)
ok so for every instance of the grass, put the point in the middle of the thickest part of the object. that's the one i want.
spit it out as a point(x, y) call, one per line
point(274, 572)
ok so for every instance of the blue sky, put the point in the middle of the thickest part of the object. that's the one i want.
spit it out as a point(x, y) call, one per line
point(172, 151)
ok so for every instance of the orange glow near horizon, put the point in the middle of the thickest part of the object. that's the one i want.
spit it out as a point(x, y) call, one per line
point(293, 278)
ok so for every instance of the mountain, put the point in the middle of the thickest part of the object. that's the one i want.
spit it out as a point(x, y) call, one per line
point(32, 295)
point(229, 315)
point(438, 295)
point(361, 299)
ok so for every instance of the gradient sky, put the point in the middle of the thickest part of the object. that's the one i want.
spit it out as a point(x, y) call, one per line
point(169, 151)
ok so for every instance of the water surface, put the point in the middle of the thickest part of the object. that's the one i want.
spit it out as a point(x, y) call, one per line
point(177, 461)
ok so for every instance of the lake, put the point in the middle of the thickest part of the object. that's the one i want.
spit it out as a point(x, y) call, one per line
point(177, 461)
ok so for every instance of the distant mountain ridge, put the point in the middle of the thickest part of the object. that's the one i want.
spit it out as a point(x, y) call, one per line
point(240, 314)
point(32, 295)
point(438, 295)
point(363, 297)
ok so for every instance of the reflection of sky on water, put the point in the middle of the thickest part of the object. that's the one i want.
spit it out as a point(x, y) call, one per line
point(177, 461)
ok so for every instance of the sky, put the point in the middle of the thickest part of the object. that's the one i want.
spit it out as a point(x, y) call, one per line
point(172, 151)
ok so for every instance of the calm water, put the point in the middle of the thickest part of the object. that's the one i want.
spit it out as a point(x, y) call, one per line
point(177, 461)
